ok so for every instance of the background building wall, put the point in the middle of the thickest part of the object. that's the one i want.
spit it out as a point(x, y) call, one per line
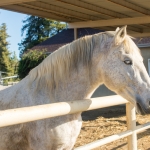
point(146, 55)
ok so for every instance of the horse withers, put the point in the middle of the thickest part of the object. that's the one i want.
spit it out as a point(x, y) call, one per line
point(74, 72)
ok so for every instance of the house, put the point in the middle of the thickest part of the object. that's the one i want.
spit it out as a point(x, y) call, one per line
point(67, 36)
point(64, 37)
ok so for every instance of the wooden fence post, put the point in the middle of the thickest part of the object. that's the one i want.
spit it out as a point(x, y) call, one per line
point(131, 125)
point(75, 34)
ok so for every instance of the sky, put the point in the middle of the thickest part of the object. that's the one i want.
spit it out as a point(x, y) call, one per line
point(14, 24)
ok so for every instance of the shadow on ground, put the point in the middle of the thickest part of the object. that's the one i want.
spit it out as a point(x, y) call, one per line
point(109, 112)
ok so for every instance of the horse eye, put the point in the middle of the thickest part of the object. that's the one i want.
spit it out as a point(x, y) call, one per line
point(128, 62)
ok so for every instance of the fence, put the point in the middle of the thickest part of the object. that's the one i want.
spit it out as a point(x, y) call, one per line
point(27, 114)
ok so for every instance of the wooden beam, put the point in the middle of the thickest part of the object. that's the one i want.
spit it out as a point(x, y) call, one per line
point(93, 8)
point(145, 34)
point(106, 28)
point(146, 30)
point(131, 6)
point(59, 10)
point(111, 22)
point(135, 29)
point(97, 9)
point(10, 2)
point(21, 9)
point(75, 33)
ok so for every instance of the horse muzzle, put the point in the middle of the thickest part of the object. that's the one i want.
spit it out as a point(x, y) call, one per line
point(143, 106)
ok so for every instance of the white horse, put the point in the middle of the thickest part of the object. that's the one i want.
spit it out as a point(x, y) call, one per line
point(74, 72)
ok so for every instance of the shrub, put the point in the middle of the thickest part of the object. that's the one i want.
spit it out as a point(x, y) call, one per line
point(29, 61)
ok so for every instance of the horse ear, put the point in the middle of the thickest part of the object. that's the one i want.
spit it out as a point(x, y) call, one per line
point(117, 29)
point(120, 35)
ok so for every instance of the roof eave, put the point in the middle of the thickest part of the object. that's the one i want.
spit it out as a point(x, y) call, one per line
point(143, 45)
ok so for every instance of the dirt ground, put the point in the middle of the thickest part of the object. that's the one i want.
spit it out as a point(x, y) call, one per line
point(101, 123)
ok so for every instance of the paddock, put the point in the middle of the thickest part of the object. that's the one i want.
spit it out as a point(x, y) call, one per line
point(109, 121)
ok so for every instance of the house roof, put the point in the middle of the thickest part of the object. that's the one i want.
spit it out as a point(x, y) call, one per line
point(64, 37)
point(142, 42)
point(67, 36)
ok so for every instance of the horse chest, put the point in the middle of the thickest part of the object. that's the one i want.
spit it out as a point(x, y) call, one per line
point(64, 136)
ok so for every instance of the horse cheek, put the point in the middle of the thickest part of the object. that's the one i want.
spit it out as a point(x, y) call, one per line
point(114, 78)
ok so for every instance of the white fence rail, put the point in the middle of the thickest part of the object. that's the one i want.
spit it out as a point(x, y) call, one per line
point(27, 114)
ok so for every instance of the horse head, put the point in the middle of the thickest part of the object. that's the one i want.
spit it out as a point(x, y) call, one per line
point(123, 71)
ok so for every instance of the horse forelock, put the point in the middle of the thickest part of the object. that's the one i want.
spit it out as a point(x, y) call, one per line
point(130, 47)
point(59, 64)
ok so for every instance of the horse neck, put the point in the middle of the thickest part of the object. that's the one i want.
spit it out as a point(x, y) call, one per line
point(79, 85)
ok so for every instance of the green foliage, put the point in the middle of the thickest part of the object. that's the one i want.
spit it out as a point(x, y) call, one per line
point(5, 64)
point(38, 30)
point(29, 61)
point(56, 27)
point(14, 63)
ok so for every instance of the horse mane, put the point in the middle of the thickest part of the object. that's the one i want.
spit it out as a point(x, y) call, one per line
point(57, 66)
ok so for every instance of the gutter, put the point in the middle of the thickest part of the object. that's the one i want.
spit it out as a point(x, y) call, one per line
point(143, 45)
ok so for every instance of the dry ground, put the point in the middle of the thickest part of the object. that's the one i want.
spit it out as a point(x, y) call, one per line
point(101, 123)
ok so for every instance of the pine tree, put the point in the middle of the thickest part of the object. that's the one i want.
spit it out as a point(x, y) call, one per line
point(5, 64)
point(38, 30)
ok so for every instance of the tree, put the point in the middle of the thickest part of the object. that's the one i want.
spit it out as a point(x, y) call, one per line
point(29, 61)
point(5, 64)
point(57, 27)
point(38, 30)
point(14, 63)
